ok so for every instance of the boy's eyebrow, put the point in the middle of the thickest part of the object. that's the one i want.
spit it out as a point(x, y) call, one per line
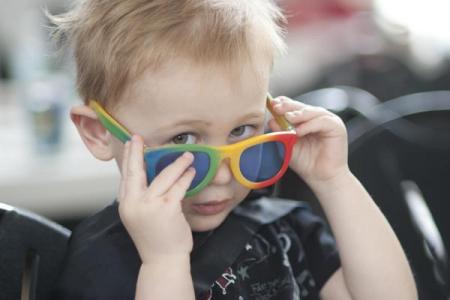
point(252, 115)
point(191, 122)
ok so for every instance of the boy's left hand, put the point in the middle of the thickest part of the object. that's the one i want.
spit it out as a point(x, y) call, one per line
point(320, 153)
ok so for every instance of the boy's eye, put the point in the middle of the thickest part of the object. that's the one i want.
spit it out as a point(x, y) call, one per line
point(184, 138)
point(243, 132)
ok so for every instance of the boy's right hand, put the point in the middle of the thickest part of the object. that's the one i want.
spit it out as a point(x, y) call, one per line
point(153, 214)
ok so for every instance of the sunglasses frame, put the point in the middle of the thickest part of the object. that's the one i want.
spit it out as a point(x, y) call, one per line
point(215, 153)
point(233, 152)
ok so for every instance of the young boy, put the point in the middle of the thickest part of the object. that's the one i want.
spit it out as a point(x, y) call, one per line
point(193, 75)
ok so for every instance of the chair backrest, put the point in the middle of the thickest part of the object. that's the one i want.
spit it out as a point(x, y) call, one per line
point(345, 101)
point(408, 139)
point(32, 249)
point(404, 139)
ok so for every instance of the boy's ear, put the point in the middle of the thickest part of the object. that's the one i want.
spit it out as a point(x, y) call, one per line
point(94, 135)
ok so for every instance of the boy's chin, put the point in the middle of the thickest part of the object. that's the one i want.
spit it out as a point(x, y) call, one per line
point(205, 223)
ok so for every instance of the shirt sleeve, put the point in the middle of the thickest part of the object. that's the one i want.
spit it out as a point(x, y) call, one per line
point(318, 244)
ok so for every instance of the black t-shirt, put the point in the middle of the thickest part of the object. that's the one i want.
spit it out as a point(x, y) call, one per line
point(266, 249)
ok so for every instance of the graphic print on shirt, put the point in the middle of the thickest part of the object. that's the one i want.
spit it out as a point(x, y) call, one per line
point(272, 266)
point(271, 287)
point(286, 243)
point(242, 267)
point(254, 281)
point(280, 287)
point(306, 282)
point(251, 258)
point(304, 278)
point(227, 278)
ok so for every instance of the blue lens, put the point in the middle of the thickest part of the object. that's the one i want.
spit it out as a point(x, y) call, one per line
point(158, 160)
point(262, 161)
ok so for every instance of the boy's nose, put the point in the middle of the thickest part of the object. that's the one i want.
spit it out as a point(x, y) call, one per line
point(223, 175)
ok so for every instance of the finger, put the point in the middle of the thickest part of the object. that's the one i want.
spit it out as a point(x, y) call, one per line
point(164, 181)
point(282, 105)
point(135, 182)
point(323, 125)
point(305, 114)
point(179, 188)
point(122, 188)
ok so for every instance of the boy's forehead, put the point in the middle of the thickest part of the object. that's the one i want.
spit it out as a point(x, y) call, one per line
point(183, 90)
point(206, 111)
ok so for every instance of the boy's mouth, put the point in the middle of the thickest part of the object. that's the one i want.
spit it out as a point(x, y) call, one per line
point(211, 207)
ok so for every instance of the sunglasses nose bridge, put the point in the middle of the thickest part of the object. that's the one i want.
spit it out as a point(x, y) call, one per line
point(224, 156)
point(231, 155)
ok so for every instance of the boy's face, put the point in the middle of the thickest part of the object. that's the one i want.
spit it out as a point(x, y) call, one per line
point(187, 103)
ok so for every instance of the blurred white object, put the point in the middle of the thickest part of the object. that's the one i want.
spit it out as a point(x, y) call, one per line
point(425, 24)
point(426, 226)
point(422, 18)
point(44, 105)
point(13, 19)
point(69, 183)
point(29, 54)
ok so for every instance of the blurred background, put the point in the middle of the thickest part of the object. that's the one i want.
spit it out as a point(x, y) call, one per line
point(382, 65)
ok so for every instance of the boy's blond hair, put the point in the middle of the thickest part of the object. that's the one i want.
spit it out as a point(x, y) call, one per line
point(114, 41)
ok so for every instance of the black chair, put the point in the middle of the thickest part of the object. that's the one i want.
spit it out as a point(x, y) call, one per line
point(400, 151)
point(429, 233)
point(346, 101)
point(31, 252)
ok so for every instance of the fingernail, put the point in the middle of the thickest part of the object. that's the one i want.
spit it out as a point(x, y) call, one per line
point(187, 155)
point(277, 106)
point(135, 138)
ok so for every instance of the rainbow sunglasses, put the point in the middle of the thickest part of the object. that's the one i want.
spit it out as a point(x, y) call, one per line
point(256, 162)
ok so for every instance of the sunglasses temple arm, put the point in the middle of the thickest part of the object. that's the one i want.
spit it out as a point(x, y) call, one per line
point(280, 119)
point(114, 127)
